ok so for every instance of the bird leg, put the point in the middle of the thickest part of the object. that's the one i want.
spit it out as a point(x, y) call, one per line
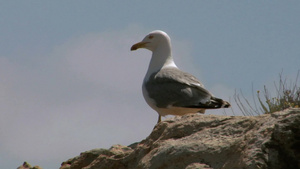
point(159, 118)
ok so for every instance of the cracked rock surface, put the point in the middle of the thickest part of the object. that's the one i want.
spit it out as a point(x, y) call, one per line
point(206, 142)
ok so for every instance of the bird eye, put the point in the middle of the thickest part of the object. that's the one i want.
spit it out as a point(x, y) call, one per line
point(150, 36)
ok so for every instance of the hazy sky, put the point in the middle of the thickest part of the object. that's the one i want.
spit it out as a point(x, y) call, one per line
point(69, 82)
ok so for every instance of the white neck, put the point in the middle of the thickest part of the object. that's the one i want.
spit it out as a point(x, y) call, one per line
point(161, 58)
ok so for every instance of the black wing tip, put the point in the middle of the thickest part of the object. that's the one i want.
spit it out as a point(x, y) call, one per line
point(215, 103)
point(225, 104)
point(222, 103)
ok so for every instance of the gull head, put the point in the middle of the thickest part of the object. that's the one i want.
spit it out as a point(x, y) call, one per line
point(153, 40)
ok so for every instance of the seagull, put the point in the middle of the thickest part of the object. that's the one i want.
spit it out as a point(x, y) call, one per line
point(167, 89)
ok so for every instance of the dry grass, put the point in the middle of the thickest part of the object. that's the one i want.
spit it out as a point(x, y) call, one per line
point(287, 95)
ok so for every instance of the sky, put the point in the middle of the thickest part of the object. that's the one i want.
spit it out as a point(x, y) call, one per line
point(69, 82)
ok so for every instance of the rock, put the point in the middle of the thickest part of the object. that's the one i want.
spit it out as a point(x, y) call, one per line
point(28, 166)
point(25, 166)
point(93, 156)
point(270, 141)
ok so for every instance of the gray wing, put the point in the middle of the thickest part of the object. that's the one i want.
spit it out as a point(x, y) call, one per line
point(172, 87)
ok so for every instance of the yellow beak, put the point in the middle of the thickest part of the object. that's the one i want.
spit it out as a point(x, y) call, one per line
point(138, 45)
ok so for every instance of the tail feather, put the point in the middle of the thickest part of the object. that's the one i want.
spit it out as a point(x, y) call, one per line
point(214, 103)
point(220, 103)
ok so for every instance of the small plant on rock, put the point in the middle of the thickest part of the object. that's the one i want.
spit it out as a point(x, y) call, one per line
point(287, 96)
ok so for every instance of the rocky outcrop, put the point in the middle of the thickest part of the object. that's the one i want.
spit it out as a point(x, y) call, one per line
point(26, 165)
point(269, 141)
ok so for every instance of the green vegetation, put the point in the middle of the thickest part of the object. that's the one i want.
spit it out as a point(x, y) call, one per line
point(287, 96)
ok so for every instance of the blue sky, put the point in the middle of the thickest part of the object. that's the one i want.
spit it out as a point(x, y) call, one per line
point(69, 82)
